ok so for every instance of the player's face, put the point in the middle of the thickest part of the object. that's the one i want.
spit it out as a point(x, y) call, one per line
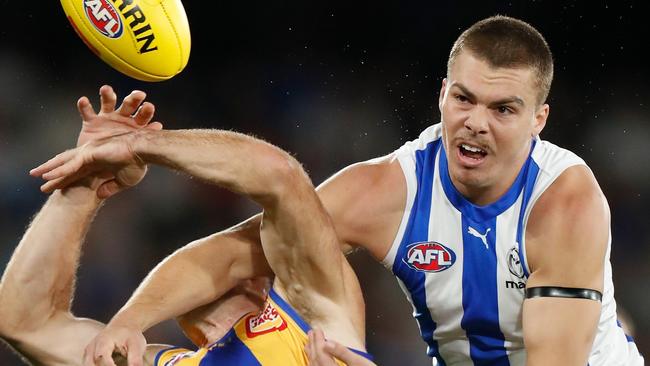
point(489, 118)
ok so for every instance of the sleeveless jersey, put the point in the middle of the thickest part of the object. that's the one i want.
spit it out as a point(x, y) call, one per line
point(463, 266)
point(275, 336)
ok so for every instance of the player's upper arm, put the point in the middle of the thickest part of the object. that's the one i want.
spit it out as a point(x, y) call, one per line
point(566, 244)
point(366, 202)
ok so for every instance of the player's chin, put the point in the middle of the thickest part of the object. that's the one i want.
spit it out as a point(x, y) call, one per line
point(470, 177)
point(471, 174)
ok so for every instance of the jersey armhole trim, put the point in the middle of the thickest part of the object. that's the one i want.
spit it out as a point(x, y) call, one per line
point(523, 257)
point(407, 164)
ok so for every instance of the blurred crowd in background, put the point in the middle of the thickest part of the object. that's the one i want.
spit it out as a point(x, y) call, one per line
point(333, 83)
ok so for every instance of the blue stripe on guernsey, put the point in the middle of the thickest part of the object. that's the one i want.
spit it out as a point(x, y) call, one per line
point(480, 303)
point(417, 230)
point(629, 338)
point(531, 170)
point(480, 295)
point(362, 354)
point(233, 352)
point(289, 310)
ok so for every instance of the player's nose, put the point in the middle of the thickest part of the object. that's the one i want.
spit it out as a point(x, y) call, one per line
point(477, 121)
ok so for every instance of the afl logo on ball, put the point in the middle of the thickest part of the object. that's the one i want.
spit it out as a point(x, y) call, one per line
point(103, 16)
point(429, 257)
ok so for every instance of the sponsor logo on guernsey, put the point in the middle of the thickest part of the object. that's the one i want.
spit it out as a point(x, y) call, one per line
point(516, 268)
point(429, 257)
point(104, 17)
point(483, 237)
point(268, 320)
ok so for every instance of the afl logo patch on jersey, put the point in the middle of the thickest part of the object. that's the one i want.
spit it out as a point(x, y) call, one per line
point(429, 257)
point(268, 320)
point(104, 17)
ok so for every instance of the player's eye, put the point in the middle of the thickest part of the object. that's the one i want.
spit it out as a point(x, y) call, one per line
point(504, 110)
point(461, 98)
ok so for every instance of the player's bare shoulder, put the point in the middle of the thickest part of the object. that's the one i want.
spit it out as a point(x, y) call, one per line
point(570, 221)
point(366, 201)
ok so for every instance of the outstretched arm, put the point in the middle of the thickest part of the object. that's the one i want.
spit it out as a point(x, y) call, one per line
point(37, 287)
point(298, 236)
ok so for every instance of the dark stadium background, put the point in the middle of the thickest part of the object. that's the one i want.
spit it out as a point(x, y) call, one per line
point(333, 83)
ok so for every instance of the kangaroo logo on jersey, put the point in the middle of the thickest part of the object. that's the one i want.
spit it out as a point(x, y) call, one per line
point(104, 17)
point(514, 263)
point(267, 321)
point(429, 257)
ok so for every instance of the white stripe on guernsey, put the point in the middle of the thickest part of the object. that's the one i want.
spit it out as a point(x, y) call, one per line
point(617, 350)
point(446, 306)
point(509, 299)
point(407, 162)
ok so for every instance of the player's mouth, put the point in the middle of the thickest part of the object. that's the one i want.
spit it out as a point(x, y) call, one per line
point(471, 155)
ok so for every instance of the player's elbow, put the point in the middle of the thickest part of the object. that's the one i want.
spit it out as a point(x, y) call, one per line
point(17, 327)
point(282, 177)
point(21, 314)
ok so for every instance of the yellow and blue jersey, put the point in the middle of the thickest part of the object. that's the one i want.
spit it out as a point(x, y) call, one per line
point(276, 335)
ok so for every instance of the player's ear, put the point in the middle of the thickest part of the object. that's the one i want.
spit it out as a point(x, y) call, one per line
point(443, 89)
point(540, 119)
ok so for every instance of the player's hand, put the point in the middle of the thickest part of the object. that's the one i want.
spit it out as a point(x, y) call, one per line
point(133, 114)
point(115, 340)
point(322, 352)
point(112, 154)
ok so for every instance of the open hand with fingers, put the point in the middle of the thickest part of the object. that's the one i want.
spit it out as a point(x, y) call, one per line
point(102, 150)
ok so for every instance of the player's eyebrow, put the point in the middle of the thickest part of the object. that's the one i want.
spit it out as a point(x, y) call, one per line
point(465, 91)
point(507, 100)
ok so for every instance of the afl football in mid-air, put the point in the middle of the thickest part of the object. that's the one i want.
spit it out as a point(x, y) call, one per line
point(147, 40)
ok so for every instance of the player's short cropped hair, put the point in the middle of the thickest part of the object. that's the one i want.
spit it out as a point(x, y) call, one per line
point(502, 41)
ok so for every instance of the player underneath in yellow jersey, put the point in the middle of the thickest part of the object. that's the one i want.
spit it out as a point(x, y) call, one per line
point(314, 285)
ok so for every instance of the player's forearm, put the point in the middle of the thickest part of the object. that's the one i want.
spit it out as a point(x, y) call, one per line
point(196, 275)
point(231, 160)
point(39, 278)
point(176, 286)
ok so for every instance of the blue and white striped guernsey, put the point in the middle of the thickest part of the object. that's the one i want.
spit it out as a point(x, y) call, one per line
point(463, 266)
